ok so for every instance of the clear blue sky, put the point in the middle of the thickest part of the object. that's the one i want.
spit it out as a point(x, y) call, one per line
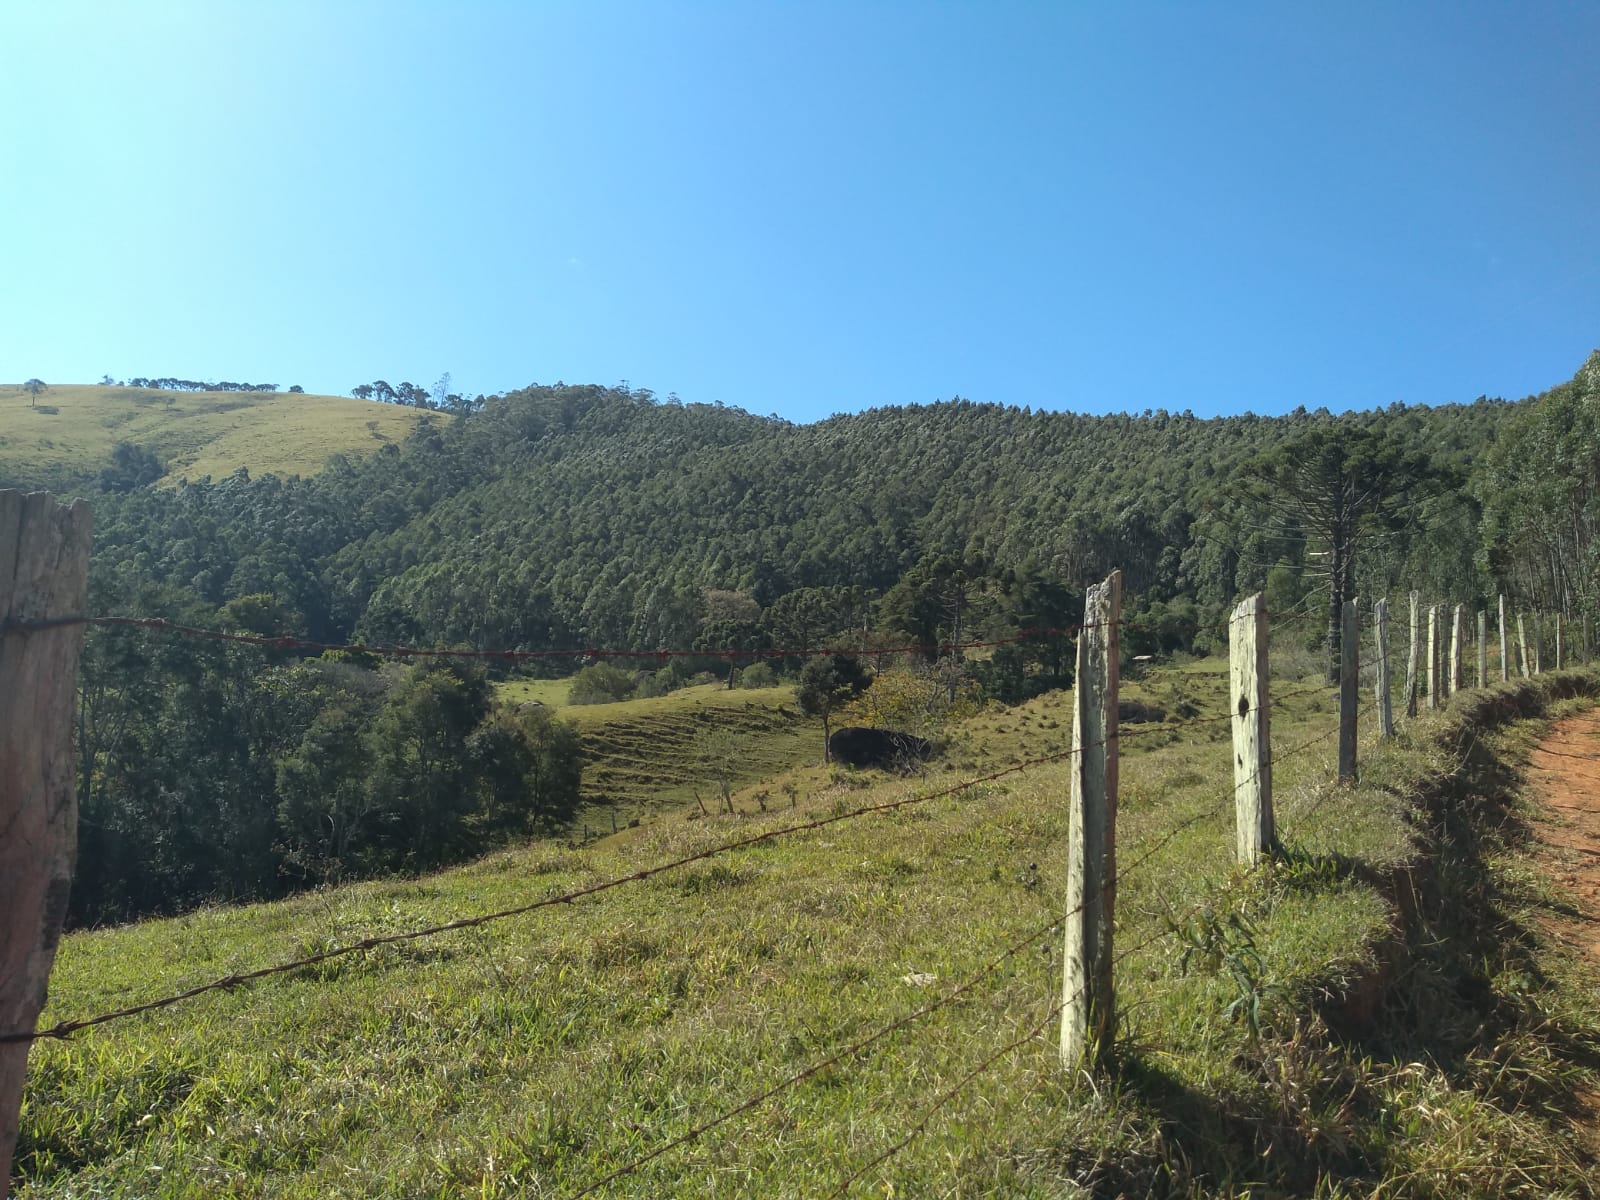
point(808, 208)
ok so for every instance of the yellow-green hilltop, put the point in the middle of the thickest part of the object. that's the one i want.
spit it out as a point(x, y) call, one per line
point(71, 431)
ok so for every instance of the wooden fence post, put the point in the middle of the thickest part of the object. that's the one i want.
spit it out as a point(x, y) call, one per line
point(1088, 1013)
point(1561, 645)
point(1505, 662)
point(1432, 656)
point(44, 566)
point(1538, 641)
point(1411, 656)
point(1483, 648)
point(1380, 621)
point(1444, 652)
point(1522, 647)
point(1252, 739)
point(1349, 690)
point(1456, 630)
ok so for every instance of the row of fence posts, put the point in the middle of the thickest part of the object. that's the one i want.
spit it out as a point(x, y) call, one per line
point(1088, 1012)
point(44, 555)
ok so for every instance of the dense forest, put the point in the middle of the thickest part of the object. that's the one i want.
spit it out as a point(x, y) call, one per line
point(562, 517)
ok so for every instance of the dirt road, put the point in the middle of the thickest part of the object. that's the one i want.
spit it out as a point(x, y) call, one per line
point(1564, 774)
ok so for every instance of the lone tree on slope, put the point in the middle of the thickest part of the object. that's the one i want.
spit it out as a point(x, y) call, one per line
point(828, 684)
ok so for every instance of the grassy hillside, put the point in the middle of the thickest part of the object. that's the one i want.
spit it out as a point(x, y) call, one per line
point(69, 436)
point(644, 757)
point(536, 1055)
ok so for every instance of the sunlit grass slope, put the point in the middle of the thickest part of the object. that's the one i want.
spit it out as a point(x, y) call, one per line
point(72, 431)
point(649, 756)
point(534, 1056)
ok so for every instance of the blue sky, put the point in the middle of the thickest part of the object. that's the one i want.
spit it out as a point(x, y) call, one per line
point(809, 208)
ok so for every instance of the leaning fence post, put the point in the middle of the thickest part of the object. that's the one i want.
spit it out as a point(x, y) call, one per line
point(44, 563)
point(1088, 1011)
point(1456, 630)
point(1349, 696)
point(1411, 655)
point(1380, 615)
point(1433, 656)
point(1522, 647)
point(1252, 739)
point(1483, 648)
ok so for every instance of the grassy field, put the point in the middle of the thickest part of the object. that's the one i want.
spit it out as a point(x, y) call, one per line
point(708, 747)
point(73, 430)
point(644, 758)
point(535, 1056)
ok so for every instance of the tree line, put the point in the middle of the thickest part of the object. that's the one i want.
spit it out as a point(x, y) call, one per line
point(169, 384)
point(209, 770)
point(564, 517)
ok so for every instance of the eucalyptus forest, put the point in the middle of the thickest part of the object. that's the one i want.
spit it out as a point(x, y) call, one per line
point(566, 518)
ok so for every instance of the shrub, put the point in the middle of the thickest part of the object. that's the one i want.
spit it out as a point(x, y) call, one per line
point(758, 675)
point(600, 683)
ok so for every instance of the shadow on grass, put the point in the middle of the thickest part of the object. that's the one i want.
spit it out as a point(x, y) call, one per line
point(1464, 1003)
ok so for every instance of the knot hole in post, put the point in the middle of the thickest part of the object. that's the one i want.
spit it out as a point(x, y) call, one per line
point(1244, 705)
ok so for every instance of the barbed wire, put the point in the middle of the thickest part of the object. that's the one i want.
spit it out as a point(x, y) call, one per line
point(989, 1061)
point(65, 1029)
point(289, 642)
point(837, 1056)
point(946, 1097)
point(950, 1094)
point(1122, 874)
point(228, 982)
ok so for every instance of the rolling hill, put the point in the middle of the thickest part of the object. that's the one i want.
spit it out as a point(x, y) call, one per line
point(71, 433)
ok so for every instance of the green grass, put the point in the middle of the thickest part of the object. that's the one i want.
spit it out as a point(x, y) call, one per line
point(646, 758)
point(73, 430)
point(534, 1056)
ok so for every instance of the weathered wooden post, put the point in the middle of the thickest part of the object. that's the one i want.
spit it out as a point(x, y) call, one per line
point(1522, 647)
point(1088, 1014)
point(1444, 652)
point(1505, 661)
point(1561, 646)
point(1538, 641)
point(44, 566)
point(1349, 693)
point(1433, 656)
point(1456, 630)
point(1252, 738)
point(1411, 656)
point(1380, 623)
point(1483, 648)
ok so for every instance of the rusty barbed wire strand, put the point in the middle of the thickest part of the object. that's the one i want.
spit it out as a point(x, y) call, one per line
point(65, 1029)
point(837, 1056)
point(945, 1098)
point(855, 1048)
point(1055, 1011)
point(950, 1094)
point(288, 642)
